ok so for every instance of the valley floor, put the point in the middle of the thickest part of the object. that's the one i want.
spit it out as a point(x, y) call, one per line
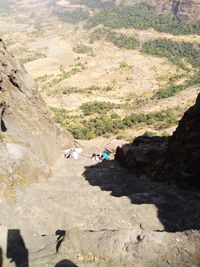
point(99, 214)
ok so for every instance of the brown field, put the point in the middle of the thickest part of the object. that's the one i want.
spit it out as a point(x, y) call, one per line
point(46, 45)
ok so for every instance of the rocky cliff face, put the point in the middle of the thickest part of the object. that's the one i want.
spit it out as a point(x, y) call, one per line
point(174, 159)
point(29, 140)
point(186, 9)
point(183, 153)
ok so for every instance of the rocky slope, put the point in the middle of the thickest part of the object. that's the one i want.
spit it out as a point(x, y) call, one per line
point(173, 159)
point(29, 140)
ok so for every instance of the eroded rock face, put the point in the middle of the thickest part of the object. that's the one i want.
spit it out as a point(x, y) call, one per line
point(29, 141)
point(183, 155)
point(174, 159)
point(184, 9)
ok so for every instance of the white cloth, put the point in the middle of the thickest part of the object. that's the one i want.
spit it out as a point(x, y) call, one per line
point(73, 152)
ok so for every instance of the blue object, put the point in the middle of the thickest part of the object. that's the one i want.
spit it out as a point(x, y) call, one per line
point(106, 155)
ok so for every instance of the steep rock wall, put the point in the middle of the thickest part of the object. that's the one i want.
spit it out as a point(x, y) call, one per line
point(174, 159)
point(30, 143)
point(183, 154)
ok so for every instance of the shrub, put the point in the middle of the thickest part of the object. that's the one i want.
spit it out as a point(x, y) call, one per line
point(90, 108)
point(122, 40)
point(83, 49)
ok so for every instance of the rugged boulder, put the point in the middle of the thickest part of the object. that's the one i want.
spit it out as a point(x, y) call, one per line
point(29, 141)
point(183, 154)
point(143, 154)
point(173, 159)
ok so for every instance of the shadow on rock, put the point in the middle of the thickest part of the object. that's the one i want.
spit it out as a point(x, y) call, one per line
point(16, 249)
point(60, 239)
point(177, 210)
point(1, 257)
point(65, 263)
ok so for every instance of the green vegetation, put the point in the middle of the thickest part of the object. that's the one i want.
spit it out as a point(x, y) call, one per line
point(174, 51)
point(104, 124)
point(179, 53)
point(63, 75)
point(90, 108)
point(72, 17)
point(161, 119)
point(122, 40)
point(83, 49)
point(43, 78)
point(76, 90)
point(142, 16)
point(33, 55)
point(98, 34)
point(125, 66)
point(173, 89)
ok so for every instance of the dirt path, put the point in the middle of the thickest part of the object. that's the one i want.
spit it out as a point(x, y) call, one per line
point(100, 215)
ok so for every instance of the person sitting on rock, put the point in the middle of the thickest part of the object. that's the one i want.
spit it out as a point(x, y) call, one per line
point(106, 155)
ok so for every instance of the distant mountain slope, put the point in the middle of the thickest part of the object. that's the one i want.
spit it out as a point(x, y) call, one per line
point(29, 141)
point(187, 9)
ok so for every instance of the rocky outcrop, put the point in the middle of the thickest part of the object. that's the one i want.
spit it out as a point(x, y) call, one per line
point(29, 141)
point(182, 9)
point(183, 154)
point(186, 9)
point(142, 153)
point(174, 159)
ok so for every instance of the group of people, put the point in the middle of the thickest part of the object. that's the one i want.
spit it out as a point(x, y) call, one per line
point(105, 155)
point(75, 153)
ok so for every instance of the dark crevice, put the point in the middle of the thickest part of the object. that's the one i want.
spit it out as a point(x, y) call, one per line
point(3, 126)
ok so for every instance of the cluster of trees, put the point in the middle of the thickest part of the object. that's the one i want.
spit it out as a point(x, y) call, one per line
point(174, 51)
point(142, 16)
point(83, 49)
point(173, 89)
point(96, 107)
point(105, 123)
point(122, 40)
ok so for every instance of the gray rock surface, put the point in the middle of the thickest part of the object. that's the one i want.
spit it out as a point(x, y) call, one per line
point(29, 140)
point(100, 215)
